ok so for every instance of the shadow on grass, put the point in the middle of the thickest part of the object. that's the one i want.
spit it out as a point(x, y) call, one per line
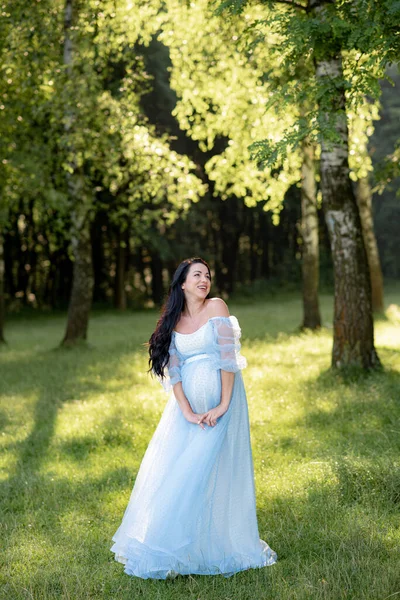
point(332, 542)
point(73, 377)
point(329, 548)
point(364, 409)
point(70, 379)
point(341, 415)
point(111, 434)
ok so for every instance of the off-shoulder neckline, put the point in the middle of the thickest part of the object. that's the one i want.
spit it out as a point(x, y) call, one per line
point(204, 324)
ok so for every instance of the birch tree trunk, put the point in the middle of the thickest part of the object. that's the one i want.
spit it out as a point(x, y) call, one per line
point(310, 248)
point(364, 201)
point(2, 305)
point(82, 276)
point(80, 201)
point(353, 339)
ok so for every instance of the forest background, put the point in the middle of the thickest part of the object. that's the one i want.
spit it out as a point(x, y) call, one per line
point(125, 134)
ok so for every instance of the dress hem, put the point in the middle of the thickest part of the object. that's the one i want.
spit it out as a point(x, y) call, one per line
point(138, 566)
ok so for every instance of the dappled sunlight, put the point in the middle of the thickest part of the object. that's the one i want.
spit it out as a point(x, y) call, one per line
point(18, 419)
point(325, 449)
point(319, 537)
point(387, 335)
point(16, 416)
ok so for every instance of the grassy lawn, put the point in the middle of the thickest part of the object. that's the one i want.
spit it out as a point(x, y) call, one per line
point(75, 425)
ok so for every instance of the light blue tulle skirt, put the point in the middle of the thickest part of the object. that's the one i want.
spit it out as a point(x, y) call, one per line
point(192, 509)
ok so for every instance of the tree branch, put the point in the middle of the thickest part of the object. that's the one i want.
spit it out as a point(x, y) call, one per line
point(291, 3)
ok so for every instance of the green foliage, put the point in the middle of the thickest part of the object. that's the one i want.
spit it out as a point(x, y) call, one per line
point(237, 81)
point(361, 128)
point(224, 89)
point(385, 142)
point(389, 169)
point(98, 100)
point(358, 31)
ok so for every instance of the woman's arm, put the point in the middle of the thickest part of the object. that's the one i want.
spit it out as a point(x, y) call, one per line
point(174, 373)
point(185, 406)
point(227, 380)
point(211, 416)
point(218, 308)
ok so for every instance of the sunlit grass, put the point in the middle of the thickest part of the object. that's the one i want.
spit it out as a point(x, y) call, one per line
point(75, 425)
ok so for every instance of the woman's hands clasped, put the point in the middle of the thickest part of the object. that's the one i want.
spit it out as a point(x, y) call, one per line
point(211, 416)
point(197, 419)
point(208, 418)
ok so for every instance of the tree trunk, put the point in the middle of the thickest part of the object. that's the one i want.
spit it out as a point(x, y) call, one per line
point(364, 201)
point(353, 337)
point(82, 278)
point(82, 274)
point(22, 259)
point(253, 249)
point(122, 248)
point(157, 286)
point(2, 304)
point(63, 277)
point(310, 247)
point(140, 264)
point(215, 228)
point(98, 235)
point(229, 236)
point(9, 253)
point(266, 251)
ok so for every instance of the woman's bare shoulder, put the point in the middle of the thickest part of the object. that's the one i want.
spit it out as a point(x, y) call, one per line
point(216, 307)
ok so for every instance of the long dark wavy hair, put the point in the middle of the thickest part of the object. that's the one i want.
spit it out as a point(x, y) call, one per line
point(170, 313)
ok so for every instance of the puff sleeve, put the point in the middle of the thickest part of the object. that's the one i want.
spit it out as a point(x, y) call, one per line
point(226, 344)
point(173, 367)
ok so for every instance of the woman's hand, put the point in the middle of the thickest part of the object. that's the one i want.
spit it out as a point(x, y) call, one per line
point(211, 416)
point(196, 418)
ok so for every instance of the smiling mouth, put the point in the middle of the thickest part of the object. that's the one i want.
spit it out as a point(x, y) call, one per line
point(202, 287)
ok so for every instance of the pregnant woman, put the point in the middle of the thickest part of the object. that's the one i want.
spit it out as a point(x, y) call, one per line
point(192, 508)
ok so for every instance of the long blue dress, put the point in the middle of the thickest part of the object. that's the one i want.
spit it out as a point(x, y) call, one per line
point(192, 508)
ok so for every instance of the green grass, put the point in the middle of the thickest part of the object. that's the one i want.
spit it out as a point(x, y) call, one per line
point(75, 425)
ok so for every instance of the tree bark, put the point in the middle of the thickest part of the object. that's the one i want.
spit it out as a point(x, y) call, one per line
point(353, 337)
point(157, 286)
point(266, 250)
point(82, 278)
point(82, 275)
point(229, 236)
point(364, 202)
point(98, 235)
point(253, 255)
point(122, 250)
point(22, 250)
point(310, 247)
point(9, 253)
point(2, 304)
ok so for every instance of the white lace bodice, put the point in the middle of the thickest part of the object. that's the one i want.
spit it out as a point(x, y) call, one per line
point(190, 344)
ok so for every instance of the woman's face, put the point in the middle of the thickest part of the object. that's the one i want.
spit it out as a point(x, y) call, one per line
point(198, 281)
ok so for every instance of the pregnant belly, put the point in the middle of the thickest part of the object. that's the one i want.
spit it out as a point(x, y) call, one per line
point(201, 385)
